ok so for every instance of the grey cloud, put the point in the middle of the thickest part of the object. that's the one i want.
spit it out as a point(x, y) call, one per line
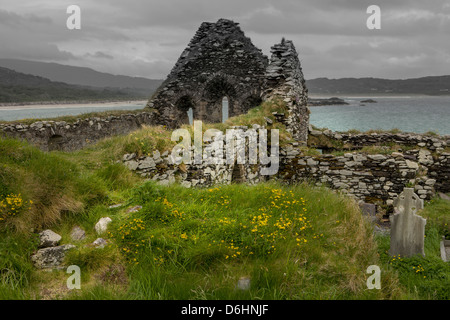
point(145, 38)
point(100, 55)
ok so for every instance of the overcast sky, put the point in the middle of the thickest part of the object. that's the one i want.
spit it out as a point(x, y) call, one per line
point(145, 38)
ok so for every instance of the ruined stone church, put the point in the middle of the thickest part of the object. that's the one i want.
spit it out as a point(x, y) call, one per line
point(222, 64)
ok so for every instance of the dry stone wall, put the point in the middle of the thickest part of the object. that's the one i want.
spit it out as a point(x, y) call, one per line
point(373, 178)
point(65, 136)
point(359, 140)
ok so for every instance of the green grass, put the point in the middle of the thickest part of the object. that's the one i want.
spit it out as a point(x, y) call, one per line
point(293, 242)
point(53, 185)
point(424, 277)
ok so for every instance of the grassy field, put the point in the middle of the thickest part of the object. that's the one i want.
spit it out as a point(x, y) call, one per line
point(291, 242)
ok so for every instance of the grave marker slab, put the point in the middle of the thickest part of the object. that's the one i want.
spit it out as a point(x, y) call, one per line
point(407, 228)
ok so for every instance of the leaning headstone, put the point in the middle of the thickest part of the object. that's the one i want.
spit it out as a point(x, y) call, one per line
point(443, 196)
point(368, 209)
point(407, 228)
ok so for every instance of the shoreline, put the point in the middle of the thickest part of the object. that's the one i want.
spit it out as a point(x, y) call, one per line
point(62, 105)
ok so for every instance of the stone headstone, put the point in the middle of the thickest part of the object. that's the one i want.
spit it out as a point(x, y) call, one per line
point(407, 228)
point(444, 196)
point(243, 283)
point(368, 209)
point(445, 249)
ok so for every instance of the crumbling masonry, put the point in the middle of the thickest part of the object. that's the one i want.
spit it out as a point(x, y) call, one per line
point(220, 61)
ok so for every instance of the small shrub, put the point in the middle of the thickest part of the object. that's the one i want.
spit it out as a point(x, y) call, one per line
point(13, 205)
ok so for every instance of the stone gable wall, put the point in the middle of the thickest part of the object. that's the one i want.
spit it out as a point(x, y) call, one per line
point(284, 79)
point(220, 61)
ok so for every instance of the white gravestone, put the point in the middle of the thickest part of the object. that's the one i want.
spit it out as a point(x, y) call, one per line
point(407, 228)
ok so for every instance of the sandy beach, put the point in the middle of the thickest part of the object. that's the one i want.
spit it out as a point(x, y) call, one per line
point(74, 105)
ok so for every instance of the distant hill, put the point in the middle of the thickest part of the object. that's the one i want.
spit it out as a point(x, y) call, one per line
point(82, 76)
point(436, 85)
point(16, 87)
point(144, 88)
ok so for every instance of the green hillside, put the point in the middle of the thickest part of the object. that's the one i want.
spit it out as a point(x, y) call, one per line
point(436, 85)
point(18, 87)
point(291, 242)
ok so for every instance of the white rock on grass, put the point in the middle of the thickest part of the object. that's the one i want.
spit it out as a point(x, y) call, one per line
point(102, 225)
point(48, 238)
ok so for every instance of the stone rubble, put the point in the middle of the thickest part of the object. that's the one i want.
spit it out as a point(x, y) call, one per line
point(51, 255)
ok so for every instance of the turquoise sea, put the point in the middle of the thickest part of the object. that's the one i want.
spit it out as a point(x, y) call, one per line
point(411, 114)
point(417, 114)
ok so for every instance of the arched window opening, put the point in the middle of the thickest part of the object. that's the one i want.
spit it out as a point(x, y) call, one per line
point(224, 109)
point(190, 114)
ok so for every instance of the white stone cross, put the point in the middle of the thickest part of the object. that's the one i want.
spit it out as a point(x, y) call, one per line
point(407, 228)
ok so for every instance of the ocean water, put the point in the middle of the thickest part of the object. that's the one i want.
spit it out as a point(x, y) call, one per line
point(16, 113)
point(416, 114)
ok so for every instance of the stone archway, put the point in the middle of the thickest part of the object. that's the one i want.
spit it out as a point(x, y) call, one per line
point(214, 93)
point(185, 109)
